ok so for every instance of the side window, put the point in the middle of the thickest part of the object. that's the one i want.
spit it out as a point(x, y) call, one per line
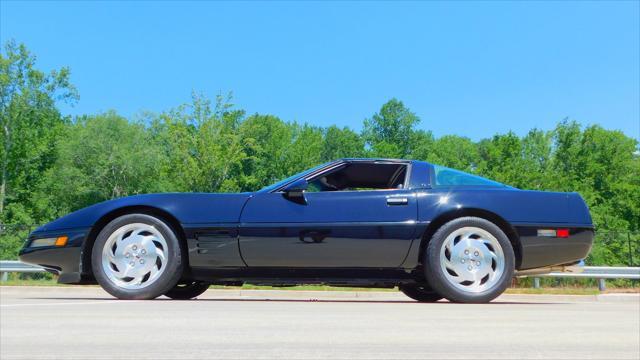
point(450, 177)
point(361, 176)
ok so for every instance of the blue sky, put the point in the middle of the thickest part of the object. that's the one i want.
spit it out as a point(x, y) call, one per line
point(466, 68)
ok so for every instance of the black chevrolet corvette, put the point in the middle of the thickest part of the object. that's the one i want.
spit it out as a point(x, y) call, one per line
point(432, 231)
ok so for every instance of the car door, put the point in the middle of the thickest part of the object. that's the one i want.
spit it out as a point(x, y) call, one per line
point(372, 228)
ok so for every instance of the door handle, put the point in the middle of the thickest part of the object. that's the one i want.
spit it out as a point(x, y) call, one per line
point(397, 201)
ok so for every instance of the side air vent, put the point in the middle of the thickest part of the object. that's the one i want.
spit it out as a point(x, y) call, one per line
point(215, 248)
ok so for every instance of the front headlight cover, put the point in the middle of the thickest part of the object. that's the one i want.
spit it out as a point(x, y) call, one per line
point(52, 241)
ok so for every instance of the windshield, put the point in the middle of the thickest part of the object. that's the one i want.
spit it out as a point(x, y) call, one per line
point(450, 177)
point(293, 177)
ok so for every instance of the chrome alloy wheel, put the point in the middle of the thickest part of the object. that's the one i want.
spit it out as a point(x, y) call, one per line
point(472, 259)
point(133, 256)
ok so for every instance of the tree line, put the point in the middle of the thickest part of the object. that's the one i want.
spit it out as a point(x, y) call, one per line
point(52, 164)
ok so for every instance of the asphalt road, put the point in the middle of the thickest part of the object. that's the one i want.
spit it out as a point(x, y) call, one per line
point(83, 323)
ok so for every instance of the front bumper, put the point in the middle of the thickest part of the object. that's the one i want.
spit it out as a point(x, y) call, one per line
point(64, 261)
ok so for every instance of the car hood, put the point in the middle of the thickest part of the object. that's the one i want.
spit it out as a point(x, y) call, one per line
point(187, 208)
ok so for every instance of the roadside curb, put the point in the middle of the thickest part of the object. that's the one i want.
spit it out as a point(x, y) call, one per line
point(619, 298)
point(310, 295)
point(398, 296)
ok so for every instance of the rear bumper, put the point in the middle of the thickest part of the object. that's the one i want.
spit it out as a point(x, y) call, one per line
point(64, 261)
point(575, 268)
point(542, 251)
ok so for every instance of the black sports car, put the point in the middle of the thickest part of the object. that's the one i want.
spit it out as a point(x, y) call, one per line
point(432, 231)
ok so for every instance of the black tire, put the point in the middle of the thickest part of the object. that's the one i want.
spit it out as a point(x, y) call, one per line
point(164, 282)
point(438, 280)
point(420, 292)
point(187, 290)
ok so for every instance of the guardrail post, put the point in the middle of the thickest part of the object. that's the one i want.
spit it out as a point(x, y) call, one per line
point(536, 283)
point(601, 285)
point(4, 277)
point(630, 252)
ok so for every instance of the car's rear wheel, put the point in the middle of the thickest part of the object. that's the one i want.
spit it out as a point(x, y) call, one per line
point(186, 290)
point(137, 256)
point(469, 260)
point(420, 292)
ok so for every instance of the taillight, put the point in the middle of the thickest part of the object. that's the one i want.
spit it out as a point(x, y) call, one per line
point(559, 233)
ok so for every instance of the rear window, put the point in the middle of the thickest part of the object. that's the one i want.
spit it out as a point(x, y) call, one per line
point(450, 177)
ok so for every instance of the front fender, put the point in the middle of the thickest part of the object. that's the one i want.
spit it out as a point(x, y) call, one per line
point(187, 208)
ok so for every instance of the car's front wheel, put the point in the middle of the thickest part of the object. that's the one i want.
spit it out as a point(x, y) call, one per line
point(137, 256)
point(469, 260)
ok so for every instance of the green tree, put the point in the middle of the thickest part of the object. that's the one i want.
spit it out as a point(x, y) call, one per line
point(537, 156)
point(202, 147)
point(567, 137)
point(341, 143)
point(389, 132)
point(423, 146)
point(102, 157)
point(30, 124)
point(456, 152)
point(266, 139)
point(609, 174)
point(502, 159)
point(305, 149)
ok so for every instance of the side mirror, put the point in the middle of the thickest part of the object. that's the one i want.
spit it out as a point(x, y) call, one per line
point(295, 191)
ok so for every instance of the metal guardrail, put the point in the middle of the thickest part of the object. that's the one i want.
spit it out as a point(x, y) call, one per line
point(601, 272)
point(7, 266)
point(595, 272)
point(592, 272)
point(18, 266)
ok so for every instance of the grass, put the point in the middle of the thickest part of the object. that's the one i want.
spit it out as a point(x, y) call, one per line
point(31, 282)
point(554, 291)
